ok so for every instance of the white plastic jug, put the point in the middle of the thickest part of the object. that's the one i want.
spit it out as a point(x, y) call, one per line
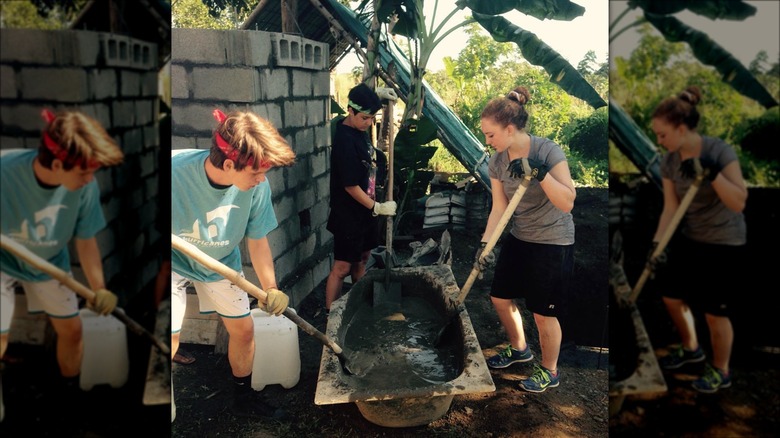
point(105, 359)
point(277, 356)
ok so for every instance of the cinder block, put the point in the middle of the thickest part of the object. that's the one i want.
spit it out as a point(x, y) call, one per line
point(275, 83)
point(200, 46)
point(304, 196)
point(130, 83)
point(145, 112)
point(287, 50)
point(133, 141)
point(123, 112)
point(284, 208)
point(319, 213)
point(315, 112)
point(22, 117)
point(111, 209)
point(321, 84)
point(179, 82)
point(304, 141)
point(27, 46)
point(314, 54)
point(320, 163)
point(150, 84)
point(294, 114)
point(189, 118)
point(152, 137)
point(152, 187)
point(54, 84)
point(103, 83)
point(99, 111)
point(116, 50)
point(7, 82)
point(301, 83)
point(226, 84)
point(322, 135)
point(178, 142)
point(86, 50)
point(148, 163)
point(249, 47)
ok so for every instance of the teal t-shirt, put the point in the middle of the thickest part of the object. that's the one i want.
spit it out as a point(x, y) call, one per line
point(42, 219)
point(214, 220)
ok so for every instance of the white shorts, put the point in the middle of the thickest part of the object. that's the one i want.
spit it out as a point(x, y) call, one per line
point(49, 296)
point(222, 297)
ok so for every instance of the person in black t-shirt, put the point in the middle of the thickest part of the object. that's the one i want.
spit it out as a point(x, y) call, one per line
point(353, 205)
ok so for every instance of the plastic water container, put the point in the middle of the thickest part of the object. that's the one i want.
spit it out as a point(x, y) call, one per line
point(105, 359)
point(277, 356)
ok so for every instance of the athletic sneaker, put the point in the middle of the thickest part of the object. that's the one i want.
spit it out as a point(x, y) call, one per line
point(712, 380)
point(679, 356)
point(540, 380)
point(508, 356)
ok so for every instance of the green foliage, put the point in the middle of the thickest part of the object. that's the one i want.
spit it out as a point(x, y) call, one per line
point(759, 135)
point(589, 136)
point(28, 14)
point(618, 163)
point(587, 172)
point(195, 14)
point(444, 161)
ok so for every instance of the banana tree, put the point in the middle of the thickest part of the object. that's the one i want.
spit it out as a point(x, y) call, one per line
point(422, 37)
point(659, 14)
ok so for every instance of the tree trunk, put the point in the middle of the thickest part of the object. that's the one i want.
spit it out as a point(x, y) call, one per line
point(290, 16)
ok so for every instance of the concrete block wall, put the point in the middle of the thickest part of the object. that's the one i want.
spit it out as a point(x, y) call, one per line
point(113, 79)
point(245, 70)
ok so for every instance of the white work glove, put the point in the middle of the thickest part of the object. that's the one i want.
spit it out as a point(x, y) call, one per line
point(386, 93)
point(276, 301)
point(384, 208)
point(104, 302)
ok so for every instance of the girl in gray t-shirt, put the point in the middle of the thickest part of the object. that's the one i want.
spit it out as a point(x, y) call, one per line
point(537, 258)
point(713, 235)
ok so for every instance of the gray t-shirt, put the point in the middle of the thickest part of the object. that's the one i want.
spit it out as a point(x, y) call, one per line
point(536, 219)
point(707, 219)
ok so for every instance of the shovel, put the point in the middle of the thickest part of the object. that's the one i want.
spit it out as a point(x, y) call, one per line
point(669, 232)
point(475, 271)
point(207, 261)
point(388, 294)
point(58, 274)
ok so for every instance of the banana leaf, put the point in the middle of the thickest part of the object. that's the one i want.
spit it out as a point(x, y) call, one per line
point(735, 10)
point(709, 52)
point(406, 13)
point(542, 9)
point(634, 143)
point(410, 152)
point(538, 53)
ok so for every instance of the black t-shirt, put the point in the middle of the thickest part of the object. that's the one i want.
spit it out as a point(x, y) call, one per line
point(350, 165)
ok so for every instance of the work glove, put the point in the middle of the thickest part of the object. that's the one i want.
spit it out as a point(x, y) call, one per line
point(386, 93)
point(537, 169)
point(384, 208)
point(104, 302)
point(276, 301)
point(710, 169)
point(658, 261)
point(488, 262)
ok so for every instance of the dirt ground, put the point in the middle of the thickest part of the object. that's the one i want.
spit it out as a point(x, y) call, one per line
point(577, 408)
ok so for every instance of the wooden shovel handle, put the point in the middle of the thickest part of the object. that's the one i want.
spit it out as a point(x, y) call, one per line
point(58, 274)
point(235, 277)
point(666, 237)
point(491, 243)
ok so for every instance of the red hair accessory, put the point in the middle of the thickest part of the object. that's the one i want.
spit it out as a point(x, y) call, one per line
point(58, 151)
point(230, 152)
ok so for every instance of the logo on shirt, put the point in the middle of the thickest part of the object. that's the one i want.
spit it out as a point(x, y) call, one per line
point(215, 224)
point(39, 232)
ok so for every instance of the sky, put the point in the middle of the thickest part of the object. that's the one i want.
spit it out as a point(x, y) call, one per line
point(743, 39)
point(571, 39)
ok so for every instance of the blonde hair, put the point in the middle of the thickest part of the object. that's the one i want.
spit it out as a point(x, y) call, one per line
point(83, 140)
point(256, 140)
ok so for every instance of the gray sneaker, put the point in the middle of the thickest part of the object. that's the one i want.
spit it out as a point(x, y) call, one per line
point(508, 356)
point(679, 356)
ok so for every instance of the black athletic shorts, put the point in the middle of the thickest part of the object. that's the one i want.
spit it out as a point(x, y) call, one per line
point(538, 272)
point(350, 244)
point(706, 276)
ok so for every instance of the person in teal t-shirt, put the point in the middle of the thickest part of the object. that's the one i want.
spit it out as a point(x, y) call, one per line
point(220, 197)
point(49, 197)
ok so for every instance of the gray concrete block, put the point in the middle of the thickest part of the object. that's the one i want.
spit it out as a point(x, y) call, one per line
point(226, 84)
point(322, 135)
point(103, 83)
point(275, 83)
point(304, 141)
point(294, 113)
point(200, 46)
point(249, 47)
point(179, 82)
point(105, 239)
point(151, 137)
point(319, 214)
point(277, 240)
point(192, 117)
point(321, 85)
point(302, 287)
point(204, 142)
point(7, 82)
point(129, 83)
point(152, 186)
point(301, 83)
point(287, 50)
point(123, 112)
point(316, 112)
point(145, 111)
point(148, 163)
point(54, 84)
point(314, 54)
point(320, 163)
point(86, 50)
point(27, 46)
point(8, 142)
point(305, 197)
point(179, 142)
point(285, 208)
point(23, 116)
point(150, 84)
point(276, 178)
point(133, 141)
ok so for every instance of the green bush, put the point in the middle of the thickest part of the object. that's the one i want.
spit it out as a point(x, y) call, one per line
point(589, 136)
point(758, 135)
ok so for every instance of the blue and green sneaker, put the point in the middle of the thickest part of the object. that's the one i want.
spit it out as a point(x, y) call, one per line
point(540, 380)
point(508, 356)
